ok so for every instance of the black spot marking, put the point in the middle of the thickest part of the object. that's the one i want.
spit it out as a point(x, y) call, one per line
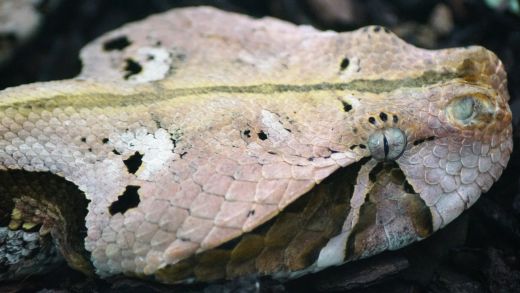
point(395, 118)
point(344, 63)
point(383, 116)
point(133, 162)
point(83, 139)
point(362, 146)
point(132, 68)
point(247, 133)
point(354, 130)
point(346, 106)
point(90, 149)
point(116, 152)
point(419, 141)
point(105, 140)
point(262, 135)
point(183, 154)
point(118, 43)
point(250, 213)
point(372, 120)
point(377, 29)
point(129, 199)
point(271, 153)
point(352, 147)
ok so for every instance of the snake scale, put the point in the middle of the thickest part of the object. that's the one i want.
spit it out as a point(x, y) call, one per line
point(199, 145)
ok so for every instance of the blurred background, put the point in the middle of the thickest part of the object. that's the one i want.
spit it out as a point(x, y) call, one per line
point(479, 252)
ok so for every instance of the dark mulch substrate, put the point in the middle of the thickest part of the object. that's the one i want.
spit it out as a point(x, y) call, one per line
point(478, 252)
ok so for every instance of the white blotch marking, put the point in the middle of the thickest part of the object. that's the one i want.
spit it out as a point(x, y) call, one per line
point(275, 129)
point(353, 101)
point(155, 63)
point(156, 148)
point(352, 69)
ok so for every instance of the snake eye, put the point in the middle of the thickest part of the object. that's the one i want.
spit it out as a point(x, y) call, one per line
point(471, 110)
point(387, 144)
point(464, 108)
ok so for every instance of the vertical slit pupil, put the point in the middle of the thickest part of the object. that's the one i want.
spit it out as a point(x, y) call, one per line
point(385, 145)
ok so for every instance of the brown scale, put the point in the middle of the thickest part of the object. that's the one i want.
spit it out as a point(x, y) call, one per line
point(368, 234)
point(43, 202)
point(289, 242)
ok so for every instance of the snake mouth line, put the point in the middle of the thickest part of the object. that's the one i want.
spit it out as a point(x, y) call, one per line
point(423, 140)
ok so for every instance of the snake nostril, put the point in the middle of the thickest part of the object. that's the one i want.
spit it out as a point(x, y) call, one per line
point(387, 144)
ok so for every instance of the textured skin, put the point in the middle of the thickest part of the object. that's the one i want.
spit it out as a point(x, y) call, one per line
point(215, 123)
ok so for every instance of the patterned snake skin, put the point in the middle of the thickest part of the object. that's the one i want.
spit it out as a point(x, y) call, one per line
point(199, 145)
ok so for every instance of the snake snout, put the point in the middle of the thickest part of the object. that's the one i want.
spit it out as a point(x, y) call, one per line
point(387, 144)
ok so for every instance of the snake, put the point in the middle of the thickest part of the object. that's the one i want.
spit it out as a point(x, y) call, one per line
point(199, 145)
